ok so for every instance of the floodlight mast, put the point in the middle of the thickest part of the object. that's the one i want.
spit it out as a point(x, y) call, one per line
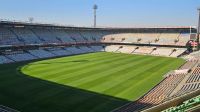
point(95, 7)
point(198, 27)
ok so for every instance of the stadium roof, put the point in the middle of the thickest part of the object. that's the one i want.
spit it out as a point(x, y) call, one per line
point(39, 25)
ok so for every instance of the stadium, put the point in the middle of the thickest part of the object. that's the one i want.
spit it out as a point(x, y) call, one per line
point(58, 68)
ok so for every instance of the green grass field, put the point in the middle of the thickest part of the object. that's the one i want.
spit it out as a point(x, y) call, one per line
point(95, 82)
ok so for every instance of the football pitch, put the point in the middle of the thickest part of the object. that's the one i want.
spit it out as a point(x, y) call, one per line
point(95, 82)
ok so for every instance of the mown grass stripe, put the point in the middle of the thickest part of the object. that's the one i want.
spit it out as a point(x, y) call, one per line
point(107, 81)
point(154, 73)
point(126, 75)
point(46, 65)
point(133, 81)
point(58, 74)
point(74, 72)
point(116, 92)
point(96, 71)
point(116, 71)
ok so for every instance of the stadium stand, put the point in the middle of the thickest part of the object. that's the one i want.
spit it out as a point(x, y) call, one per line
point(177, 52)
point(112, 48)
point(154, 96)
point(97, 48)
point(156, 51)
point(62, 36)
point(3, 60)
point(127, 49)
point(193, 56)
point(39, 41)
point(76, 36)
point(183, 38)
point(7, 37)
point(58, 51)
point(177, 39)
point(191, 83)
point(86, 49)
point(165, 90)
point(144, 50)
point(40, 53)
point(17, 56)
point(6, 109)
point(20, 56)
point(45, 35)
point(88, 36)
point(26, 36)
point(168, 52)
point(189, 64)
point(75, 50)
point(186, 106)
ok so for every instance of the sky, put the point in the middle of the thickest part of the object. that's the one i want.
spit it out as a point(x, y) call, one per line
point(110, 13)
